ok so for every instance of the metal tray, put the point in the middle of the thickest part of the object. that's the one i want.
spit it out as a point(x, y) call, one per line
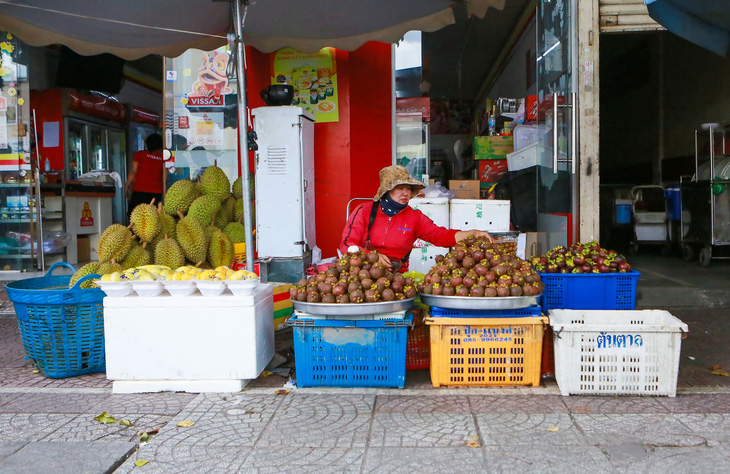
point(353, 309)
point(483, 303)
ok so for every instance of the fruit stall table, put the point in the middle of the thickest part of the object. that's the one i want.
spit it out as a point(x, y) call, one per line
point(191, 344)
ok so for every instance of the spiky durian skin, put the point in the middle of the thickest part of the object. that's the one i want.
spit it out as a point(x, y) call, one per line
point(168, 226)
point(169, 254)
point(214, 182)
point(220, 250)
point(236, 231)
point(205, 208)
point(221, 219)
point(145, 222)
point(238, 211)
point(114, 243)
point(192, 239)
point(137, 257)
point(238, 188)
point(180, 196)
point(82, 272)
point(107, 267)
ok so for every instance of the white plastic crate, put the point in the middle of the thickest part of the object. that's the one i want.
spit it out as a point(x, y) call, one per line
point(353, 317)
point(480, 214)
point(616, 352)
point(436, 209)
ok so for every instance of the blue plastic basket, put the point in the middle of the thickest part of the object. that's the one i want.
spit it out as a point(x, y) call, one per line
point(589, 290)
point(62, 328)
point(348, 353)
point(532, 311)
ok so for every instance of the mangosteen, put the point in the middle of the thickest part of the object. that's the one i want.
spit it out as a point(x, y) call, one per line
point(504, 280)
point(480, 269)
point(388, 294)
point(302, 282)
point(462, 290)
point(302, 295)
point(435, 278)
point(357, 296)
point(400, 296)
point(372, 296)
point(312, 279)
point(481, 281)
point(478, 254)
point(331, 279)
point(490, 292)
point(320, 277)
point(342, 265)
point(409, 281)
point(397, 286)
point(312, 287)
point(468, 263)
point(428, 289)
point(446, 279)
point(377, 271)
point(410, 292)
point(313, 297)
point(515, 290)
point(367, 266)
point(490, 276)
point(344, 298)
point(367, 283)
point(503, 290)
point(448, 290)
point(372, 257)
point(527, 290)
point(477, 291)
point(456, 278)
point(332, 271)
point(624, 267)
point(356, 261)
point(452, 261)
point(339, 290)
point(437, 290)
point(398, 277)
point(499, 269)
point(325, 288)
point(328, 298)
point(469, 280)
point(389, 275)
point(379, 287)
point(293, 292)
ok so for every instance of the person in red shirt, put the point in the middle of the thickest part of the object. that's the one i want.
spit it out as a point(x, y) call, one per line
point(390, 226)
point(149, 173)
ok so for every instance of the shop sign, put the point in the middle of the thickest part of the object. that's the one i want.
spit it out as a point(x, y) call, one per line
point(145, 116)
point(97, 107)
point(212, 84)
point(87, 219)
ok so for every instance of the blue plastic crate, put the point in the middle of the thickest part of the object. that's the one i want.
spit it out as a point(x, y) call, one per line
point(62, 328)
point(589, 290)
point(532, 311)
point(349, 353)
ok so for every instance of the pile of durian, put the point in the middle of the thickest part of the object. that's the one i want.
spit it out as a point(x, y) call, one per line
point(197, 225)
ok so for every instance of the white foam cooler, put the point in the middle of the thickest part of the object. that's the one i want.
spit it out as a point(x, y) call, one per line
point(437, 209)
point(192, 344)
point(423, 258)
point(480, 214)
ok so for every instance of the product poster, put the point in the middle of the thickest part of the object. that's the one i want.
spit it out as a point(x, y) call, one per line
point(205, 130)
point(314, 77)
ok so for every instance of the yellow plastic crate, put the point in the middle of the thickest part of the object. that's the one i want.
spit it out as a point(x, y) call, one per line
point(486, 351)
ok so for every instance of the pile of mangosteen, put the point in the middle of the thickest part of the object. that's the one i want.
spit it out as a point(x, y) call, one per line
point(581, 258)
point(479, 268)
point(357, 277)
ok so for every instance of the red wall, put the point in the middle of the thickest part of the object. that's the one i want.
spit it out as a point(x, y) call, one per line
point(347, 154)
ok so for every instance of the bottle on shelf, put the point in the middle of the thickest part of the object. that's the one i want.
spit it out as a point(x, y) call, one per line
point(47, 165)
point(493, 121)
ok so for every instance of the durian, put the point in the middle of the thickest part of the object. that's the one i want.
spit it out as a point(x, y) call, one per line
point(137, 257)
point(108, 267)
point(214, 182)
point(169, 253)
point(221, 218)
point(236, 231)
point(179, 197)
point(238, 211)
point(229, 204)
point(192, 240)
point(114, 243)
point(168, 224)
point(145, 222)
point(220, 250)
point(205, 208)
point(82, 272)
point(238, 188)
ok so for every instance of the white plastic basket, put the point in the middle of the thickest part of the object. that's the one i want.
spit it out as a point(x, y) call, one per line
point(616, 352)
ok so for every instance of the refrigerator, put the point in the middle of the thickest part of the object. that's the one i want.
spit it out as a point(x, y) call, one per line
point(284, 182)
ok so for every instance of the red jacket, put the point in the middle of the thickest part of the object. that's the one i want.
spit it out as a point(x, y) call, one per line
point(393, 236)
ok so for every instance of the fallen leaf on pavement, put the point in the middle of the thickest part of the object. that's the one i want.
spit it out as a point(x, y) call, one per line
point(185, 424)
point(36, 371)
point(145, 437)
point(282, 392)
point(554, 429)
point(582, 410)
point(105, 418)
point(266, 373)
point(125, 422)
point(721, 373)
point(715, 367)
point(140, 462)
point(472, 443)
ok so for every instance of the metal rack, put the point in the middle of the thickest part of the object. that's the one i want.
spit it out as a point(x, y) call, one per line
point(705, 218)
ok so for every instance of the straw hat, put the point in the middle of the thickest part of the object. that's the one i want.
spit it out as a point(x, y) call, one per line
point(396, 175)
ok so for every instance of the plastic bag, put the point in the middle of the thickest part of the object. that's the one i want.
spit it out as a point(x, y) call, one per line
point(436, 190)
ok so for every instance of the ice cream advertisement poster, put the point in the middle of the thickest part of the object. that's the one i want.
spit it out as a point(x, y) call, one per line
point(314, 77)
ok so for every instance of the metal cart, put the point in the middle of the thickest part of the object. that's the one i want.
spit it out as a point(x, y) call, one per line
point(705, 219)
point(651, 225)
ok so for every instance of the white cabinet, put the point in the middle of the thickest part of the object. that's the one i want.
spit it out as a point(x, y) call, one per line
point(284, 181)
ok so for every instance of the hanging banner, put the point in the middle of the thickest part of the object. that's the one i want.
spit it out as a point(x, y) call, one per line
point(314, 77)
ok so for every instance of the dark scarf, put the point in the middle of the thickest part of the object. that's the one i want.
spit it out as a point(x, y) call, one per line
point(390, 207)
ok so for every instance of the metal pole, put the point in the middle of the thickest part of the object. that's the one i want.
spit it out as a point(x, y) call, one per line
point(243, 133)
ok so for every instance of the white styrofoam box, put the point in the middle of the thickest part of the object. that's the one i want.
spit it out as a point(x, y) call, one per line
point(616, 352)
point(436, 209)
point(423, 258)
point(354, 317)
point(651, 232)
point(480, 214)
point(650, 217)
point(174, 343)
point(524, 135)
point(531, 155)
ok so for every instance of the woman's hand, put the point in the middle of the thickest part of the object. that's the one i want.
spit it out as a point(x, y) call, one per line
point(463, 234)
point(385, 260)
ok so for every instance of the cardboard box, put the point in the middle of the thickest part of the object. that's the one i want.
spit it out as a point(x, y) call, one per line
point(491, 171)
point(493, 148)
point(83, 246)
point(464, 189)
point(530, 244)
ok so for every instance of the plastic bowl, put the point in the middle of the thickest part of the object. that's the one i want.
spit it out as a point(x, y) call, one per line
point(147, 288)
point(115, 288)
point(179, 287)
point(210, 288)
point(243, 287)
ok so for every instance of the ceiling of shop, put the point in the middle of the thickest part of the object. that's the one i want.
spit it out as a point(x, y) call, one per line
point(462, 55)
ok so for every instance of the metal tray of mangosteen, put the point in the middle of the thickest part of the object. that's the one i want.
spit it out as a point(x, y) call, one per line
point(353, 309)
point(488, 303)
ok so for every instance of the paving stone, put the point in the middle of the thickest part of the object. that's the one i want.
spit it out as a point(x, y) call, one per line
point(206, 402)
point(72, 458)
point(657, 430)
point(710, 403)
point(423, 429)
point(24, 377)
point(317, 460)
point(9, 447)
point(186, 459)
point(529, 430)
point(661, 460)
point(314, 421)
point(408, 460)
point(416, 404)
point(153, 403)
point(558, 459)
point(713, 427)
point(528, 404)
point(613, 404)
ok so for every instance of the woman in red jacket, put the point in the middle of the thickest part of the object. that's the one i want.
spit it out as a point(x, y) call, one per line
point(390, 226)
